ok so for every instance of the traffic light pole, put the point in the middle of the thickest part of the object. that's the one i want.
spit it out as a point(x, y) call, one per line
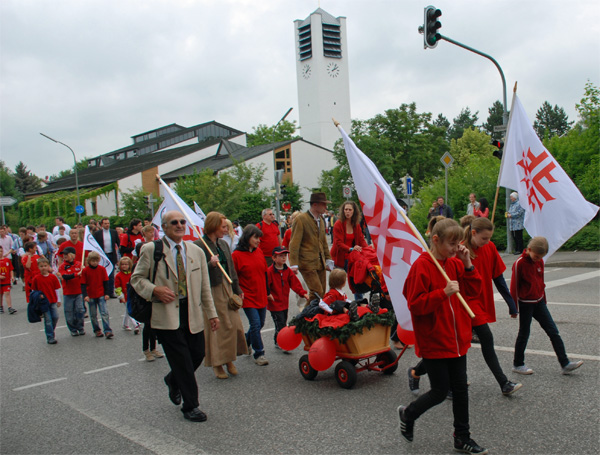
point(509, 241)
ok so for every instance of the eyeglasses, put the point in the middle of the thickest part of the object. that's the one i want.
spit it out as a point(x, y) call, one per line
point(176, 222)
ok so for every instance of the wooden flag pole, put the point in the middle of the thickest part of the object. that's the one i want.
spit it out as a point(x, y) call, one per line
point(424, 244)
point(193, 225)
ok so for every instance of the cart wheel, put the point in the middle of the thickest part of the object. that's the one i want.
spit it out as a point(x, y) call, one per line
point(345, 374)
point(307, 372)
point(388, 358)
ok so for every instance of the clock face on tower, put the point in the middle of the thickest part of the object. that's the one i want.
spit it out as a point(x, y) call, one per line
point(333, 69)
point(306, 71)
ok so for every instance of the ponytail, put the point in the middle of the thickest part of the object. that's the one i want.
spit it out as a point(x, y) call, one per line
point(477, 225)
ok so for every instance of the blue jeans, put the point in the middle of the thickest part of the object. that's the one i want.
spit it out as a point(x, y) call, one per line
point(74, 312)
point(94, 305)
point(50, 321)
point(256, 318)
point(539, 312)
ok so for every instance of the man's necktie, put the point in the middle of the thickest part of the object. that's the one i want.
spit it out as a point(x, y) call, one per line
point(181, 279)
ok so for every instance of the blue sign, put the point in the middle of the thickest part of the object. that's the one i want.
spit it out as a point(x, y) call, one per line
point(409, 189)
point(79, 209)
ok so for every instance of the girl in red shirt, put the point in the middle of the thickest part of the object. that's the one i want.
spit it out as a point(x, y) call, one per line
point(121, 281)
point(30, 265)
point(442, 329)
point(49, 285)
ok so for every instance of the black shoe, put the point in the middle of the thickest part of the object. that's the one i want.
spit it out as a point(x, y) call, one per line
point(406, 426)
point(468, 446)
point(449, 395)
point(174, 394)
point(413, 383)
point(195, 415)
point(475, 338)
point(510, 387)
point(353, 311)
point(374, 305)
point(52, 341)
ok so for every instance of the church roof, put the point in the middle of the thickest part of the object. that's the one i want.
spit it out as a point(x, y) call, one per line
point(326, 18)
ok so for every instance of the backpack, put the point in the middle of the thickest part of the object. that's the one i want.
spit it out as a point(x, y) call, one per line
point(38, 305)
point(137, 307)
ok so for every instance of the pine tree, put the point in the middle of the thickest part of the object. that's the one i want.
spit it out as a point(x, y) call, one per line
point(25, 181)
point(464, 120)
point(494, 119)
point(551, 121)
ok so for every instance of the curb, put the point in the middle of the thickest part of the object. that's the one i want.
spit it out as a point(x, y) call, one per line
point(589, 264)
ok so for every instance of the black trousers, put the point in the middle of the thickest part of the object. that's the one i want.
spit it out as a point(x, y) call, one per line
point(486, 340)
point(185, 352)
point(280, 321)
point(111, 278)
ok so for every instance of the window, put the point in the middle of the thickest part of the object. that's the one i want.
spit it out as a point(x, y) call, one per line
point(332, 41)
point(304, 42)
point(283, 160)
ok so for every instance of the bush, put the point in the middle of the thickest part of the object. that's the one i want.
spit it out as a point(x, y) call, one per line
point(587, 239)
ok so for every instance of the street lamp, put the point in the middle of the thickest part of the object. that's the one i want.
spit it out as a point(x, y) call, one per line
point(75, 167)
point(277, 177)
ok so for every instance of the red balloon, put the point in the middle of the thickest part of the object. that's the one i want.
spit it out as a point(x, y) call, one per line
point(322, 354)
point(288, 339)
point(406, 336)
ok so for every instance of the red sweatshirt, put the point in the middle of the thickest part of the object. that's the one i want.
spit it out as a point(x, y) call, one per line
point(95, 281)
point(489, 264)
point(33, 270)
point(48, 284)
point(441, 324)
point(280, 283)
point(251, 268)
point(121, 281)
point(527, 282)
point(71, 279)
point(332, 295)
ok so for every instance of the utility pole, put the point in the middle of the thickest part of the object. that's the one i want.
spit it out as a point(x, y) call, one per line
point(278, 176)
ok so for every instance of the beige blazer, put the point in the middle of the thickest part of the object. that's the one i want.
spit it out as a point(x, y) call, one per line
point(165, 316)
point(308, 244)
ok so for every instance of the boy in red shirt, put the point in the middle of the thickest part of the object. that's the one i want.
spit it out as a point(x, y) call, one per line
point(527, 288)
point(70, 271)
point(49, 285)
point(7, 276)
point(335, 301)
point(281, 280)
point(94, 288)
point(30, 265)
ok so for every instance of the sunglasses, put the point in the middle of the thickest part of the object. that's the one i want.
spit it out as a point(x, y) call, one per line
point(176, 222)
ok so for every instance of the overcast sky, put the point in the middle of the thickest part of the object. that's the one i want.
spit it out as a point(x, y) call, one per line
point(93, 73)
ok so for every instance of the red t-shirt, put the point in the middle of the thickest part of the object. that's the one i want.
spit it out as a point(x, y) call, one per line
point(72, 286)
point(33, 270)
point(5, 268)
point(286, 238)
point(251, 269)
point(47, 284)
point(121, 281)
point(269, 239)
point(94, 279)
point(78, 248)
point(128, 241)
point(489, 264)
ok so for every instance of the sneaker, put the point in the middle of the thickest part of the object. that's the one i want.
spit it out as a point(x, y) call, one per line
point(523, 369)
point(136, 331)
point(156, 353)
point(99, 334)
point(449, 395)
point(374, 304)
point(468, 446)
point(52, 341)
point(81, 332)
point(510, 387)
point(149, 356)
point(261, 360)
point(11, 310)
point(571, 366)
point(475, 338)
point(109, 335)
point(406, 426)
point(126, 327)
point(1, 309)
point(353, 311)
point(74, 333)
point(413, 383)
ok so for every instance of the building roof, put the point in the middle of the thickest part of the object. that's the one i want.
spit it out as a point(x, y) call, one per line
point(326, 18)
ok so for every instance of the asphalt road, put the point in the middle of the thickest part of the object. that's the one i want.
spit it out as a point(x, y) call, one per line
point(88, 395)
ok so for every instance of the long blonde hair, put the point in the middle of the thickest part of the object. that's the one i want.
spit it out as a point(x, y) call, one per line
point(478, 225)
point(445, 229)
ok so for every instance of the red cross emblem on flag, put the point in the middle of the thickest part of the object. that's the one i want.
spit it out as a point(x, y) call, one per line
point(534, 173)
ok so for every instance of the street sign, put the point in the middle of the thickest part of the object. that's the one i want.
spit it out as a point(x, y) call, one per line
point(447, 160)
point(499, 128)
point(79, 209)
point(409, 186)
point(347, 192)
point(7, 201)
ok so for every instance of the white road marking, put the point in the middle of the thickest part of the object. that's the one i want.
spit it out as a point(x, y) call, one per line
point(546, 353)
point(15, 335)
point(106, 368)
point(38, 384)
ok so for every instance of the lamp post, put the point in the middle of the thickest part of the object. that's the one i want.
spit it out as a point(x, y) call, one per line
point(277, 178)
point(75, 168)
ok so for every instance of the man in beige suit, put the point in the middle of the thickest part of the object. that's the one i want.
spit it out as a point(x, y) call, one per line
point(309, 251)
point(180, 294)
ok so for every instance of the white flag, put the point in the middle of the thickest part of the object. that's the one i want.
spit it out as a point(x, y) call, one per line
point(396, 245)
point(90, 244)
point(199, 211)
point(554, 206)
point(172, 201)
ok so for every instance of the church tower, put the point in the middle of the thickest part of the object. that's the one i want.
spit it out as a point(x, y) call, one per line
point(322, 77)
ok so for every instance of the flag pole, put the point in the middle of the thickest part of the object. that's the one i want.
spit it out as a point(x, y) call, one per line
point(168, 190)
point(417, 234)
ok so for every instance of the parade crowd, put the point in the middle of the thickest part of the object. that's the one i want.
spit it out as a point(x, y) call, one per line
point(198, 290)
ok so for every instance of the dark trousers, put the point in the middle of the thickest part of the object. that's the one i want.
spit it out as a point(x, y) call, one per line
point(518, 238)
point(148, 338)
point(486, 339)
point(445, 374)
point(539, 312)
point(111, 278)
point(185, 352)
point(280, 321)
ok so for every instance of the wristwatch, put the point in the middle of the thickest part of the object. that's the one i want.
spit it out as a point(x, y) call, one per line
point(470, 269)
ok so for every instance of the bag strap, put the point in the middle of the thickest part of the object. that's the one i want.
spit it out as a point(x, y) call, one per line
point(158, 255)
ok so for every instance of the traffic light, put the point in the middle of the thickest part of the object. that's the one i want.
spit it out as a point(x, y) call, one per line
point(282, 191)
point(402, 185)
point(146, 200)
point(431, 25)
point(499, 146)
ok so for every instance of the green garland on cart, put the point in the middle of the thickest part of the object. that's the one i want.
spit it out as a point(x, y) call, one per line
point(341, 334)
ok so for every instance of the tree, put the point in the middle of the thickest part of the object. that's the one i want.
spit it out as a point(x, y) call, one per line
point(495, 118)
point(472, 143)
point(134, 204)
point(25, 181)
point(81, 165)
point(464, 120)
point(551, 121)
point(7, 181)
point(442, 122)
point(264, 134)
point(292, 196)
